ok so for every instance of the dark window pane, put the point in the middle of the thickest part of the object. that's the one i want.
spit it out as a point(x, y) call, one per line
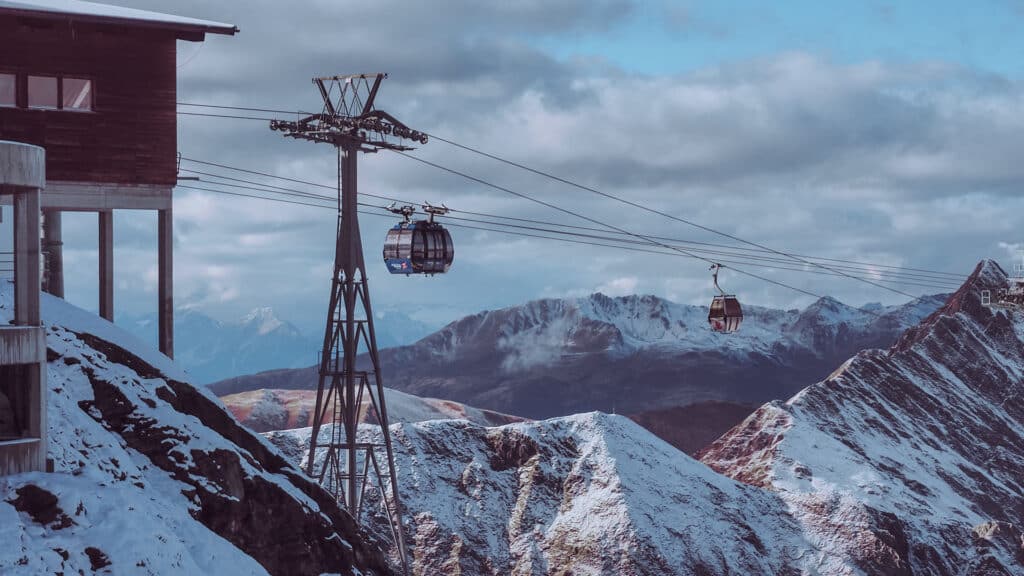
point(8, 92)
point(42, 92)
point(14, 402)
point(77, 94)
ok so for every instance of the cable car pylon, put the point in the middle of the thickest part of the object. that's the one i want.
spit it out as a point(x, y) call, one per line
point(351, 124)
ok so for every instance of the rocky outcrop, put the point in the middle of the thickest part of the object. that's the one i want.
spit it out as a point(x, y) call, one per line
point(908, 460)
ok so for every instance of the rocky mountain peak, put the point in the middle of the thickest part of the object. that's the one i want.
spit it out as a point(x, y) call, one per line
point(987, 275)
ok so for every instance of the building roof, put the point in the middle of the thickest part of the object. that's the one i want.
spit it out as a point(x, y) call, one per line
point(187, 28)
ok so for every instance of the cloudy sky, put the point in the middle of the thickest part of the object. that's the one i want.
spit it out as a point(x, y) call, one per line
point(889, 133)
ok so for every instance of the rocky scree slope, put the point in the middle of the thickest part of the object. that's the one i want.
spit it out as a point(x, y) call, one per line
point(153, 476)
point(625, 355)
point(919, 447)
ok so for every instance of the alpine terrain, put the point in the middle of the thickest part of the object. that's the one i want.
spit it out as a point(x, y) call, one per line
point(904, 461)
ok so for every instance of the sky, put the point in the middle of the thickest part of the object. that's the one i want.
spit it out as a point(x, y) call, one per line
point(887, 133)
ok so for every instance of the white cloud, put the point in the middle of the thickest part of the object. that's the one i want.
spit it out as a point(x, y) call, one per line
point(619, 286)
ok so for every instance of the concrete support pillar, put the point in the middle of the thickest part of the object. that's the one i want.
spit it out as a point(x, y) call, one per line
point(26, 258)
point(23, 346)
point(106, 272)
point(53, 247)
point(165, 281)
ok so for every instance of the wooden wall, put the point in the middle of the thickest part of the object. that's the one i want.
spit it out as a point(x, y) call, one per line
point(130, 137)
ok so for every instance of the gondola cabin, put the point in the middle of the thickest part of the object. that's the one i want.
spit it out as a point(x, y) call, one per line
point(418, 247)
point(725, 314)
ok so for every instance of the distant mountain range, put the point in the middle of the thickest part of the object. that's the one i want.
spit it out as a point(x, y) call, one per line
point(211, 350)
point(627, 355)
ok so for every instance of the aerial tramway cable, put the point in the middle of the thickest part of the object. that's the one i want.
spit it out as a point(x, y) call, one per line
point(647, 239)
point(571, 240)
point(881, 273)
point(921, 273)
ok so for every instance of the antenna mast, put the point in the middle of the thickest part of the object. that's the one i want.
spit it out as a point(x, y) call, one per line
point(351, 124)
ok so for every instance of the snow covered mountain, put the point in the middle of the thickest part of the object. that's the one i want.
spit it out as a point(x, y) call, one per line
point(153, 475)
point(626, 355)
point(266, 410)
point(921, 445)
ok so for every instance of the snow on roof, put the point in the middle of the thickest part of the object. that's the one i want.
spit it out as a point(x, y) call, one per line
point(105, 12)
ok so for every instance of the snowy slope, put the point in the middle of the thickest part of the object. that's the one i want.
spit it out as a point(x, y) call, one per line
point(590, 494)
point(153, 476)
point(922, 444)
point(266, 410)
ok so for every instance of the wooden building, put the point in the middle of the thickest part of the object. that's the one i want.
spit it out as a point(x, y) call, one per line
point(96, 87)
point(87, 123)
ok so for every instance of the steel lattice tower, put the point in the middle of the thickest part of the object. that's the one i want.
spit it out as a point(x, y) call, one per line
point(350, 123)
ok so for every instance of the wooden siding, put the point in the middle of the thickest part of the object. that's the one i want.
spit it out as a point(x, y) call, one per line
point(130, 137)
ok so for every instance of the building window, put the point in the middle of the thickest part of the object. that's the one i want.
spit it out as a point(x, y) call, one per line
point(8, 90)
point(42, 92)
point(77, 93)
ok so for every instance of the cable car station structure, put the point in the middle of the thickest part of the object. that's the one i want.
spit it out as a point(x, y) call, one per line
point(1011, 297)
point(350, 123)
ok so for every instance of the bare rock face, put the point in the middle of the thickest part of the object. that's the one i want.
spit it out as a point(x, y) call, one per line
point(908, 460)
point(154, 476)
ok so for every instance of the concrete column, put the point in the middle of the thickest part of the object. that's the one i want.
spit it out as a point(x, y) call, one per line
point(53, 248)
point(23, 174)
point(26, 258)
point(165, 281)
point(106, 275)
